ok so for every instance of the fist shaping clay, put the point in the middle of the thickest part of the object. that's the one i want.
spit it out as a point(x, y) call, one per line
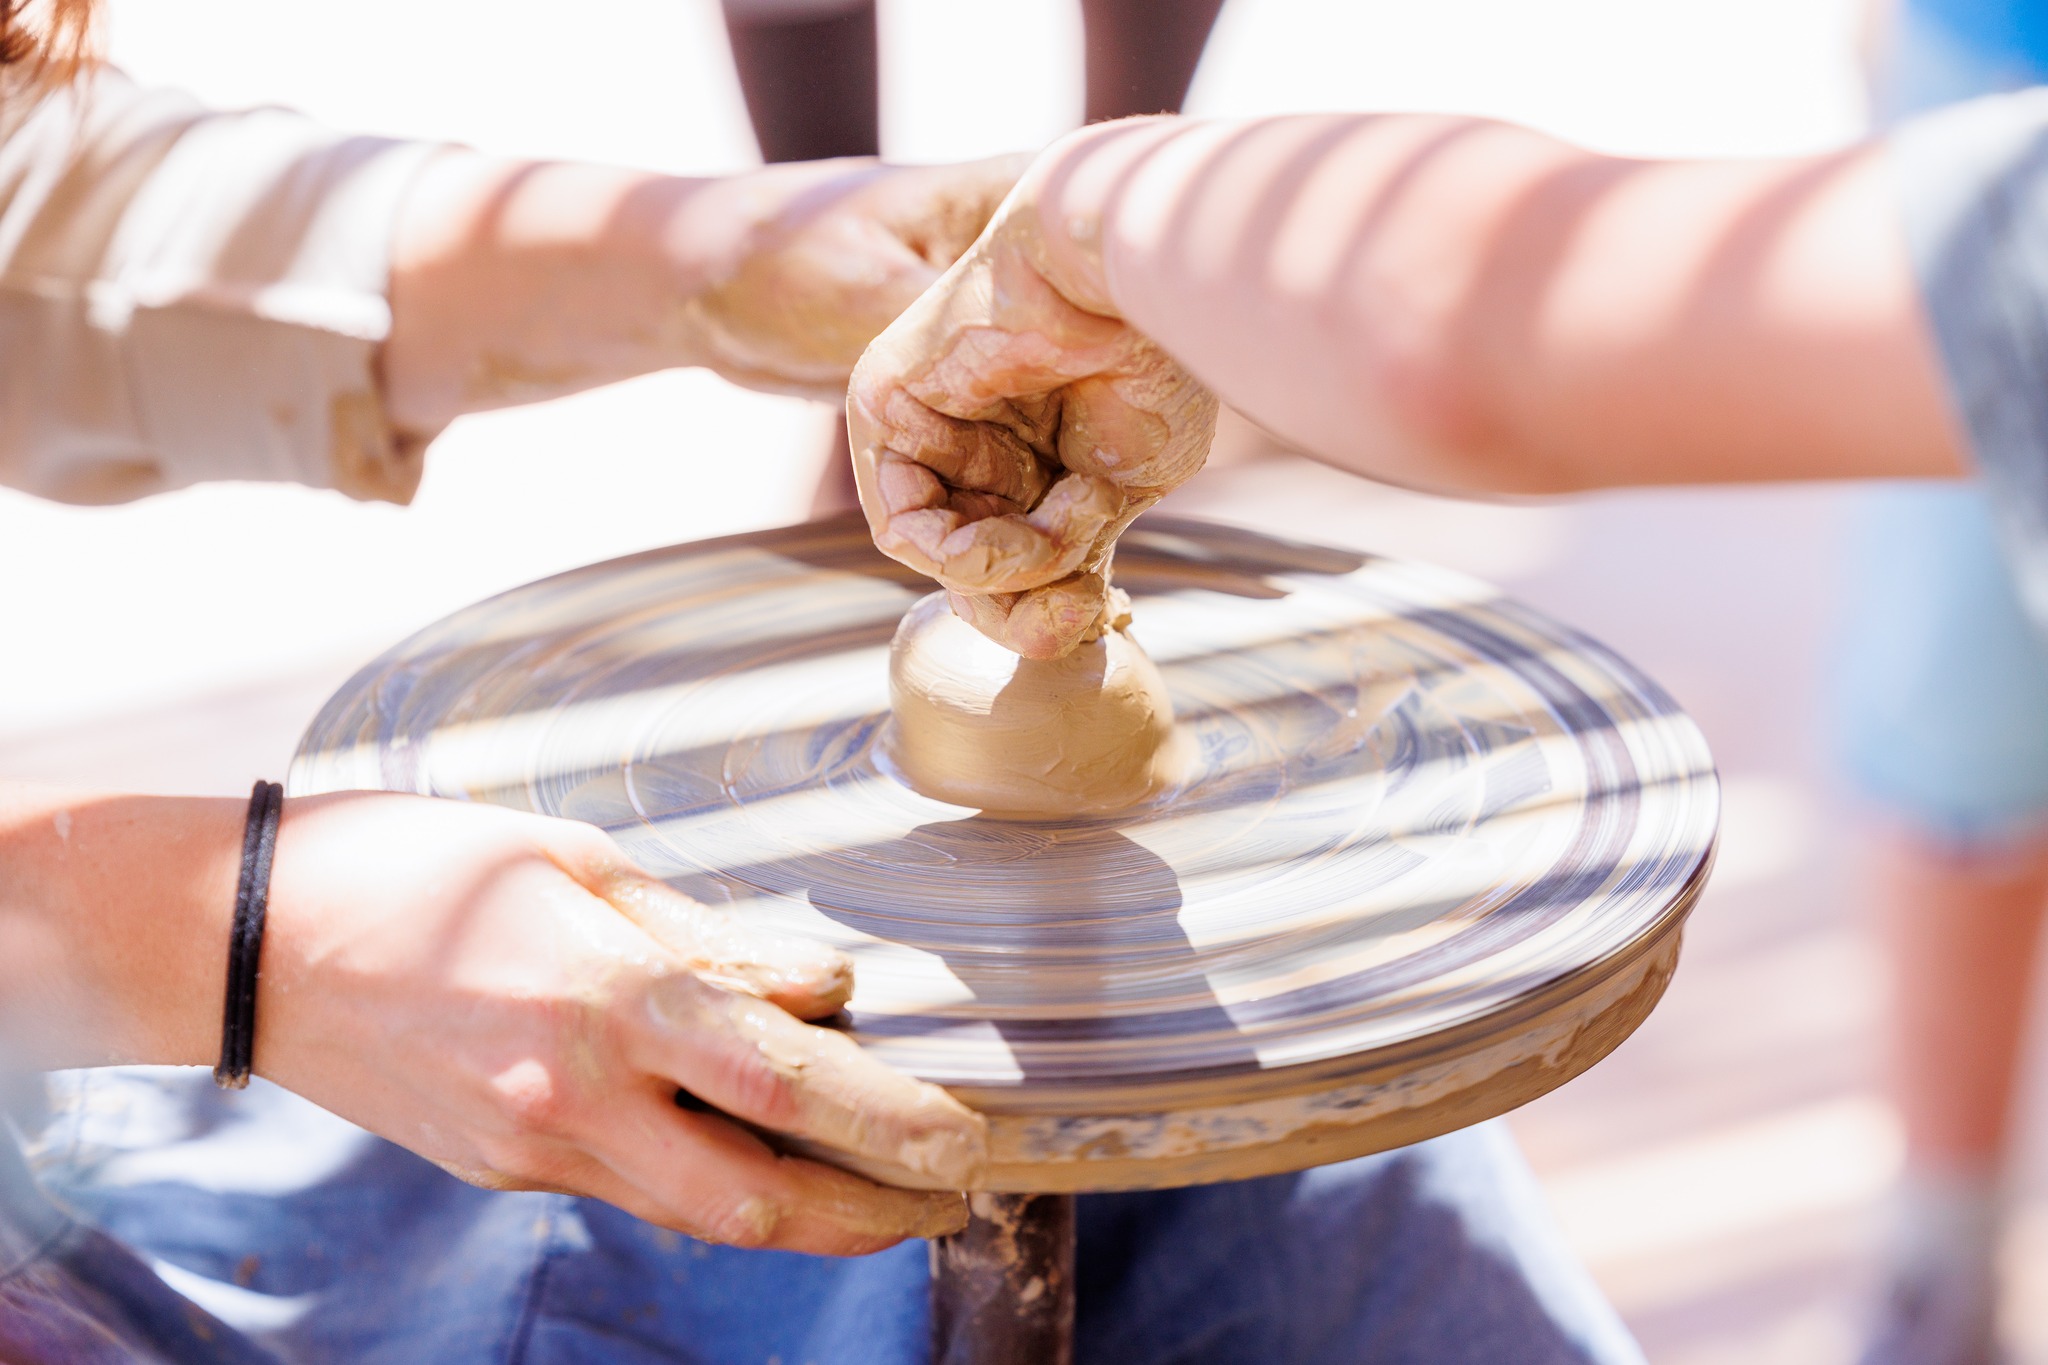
point(1085, 734)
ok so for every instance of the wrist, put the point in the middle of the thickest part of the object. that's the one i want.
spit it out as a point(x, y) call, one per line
point(785, 274)
point(115, 918)
point(1075, 199)
point(515, 281)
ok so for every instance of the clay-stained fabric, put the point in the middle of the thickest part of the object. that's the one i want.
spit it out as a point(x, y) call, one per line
point(188, 295)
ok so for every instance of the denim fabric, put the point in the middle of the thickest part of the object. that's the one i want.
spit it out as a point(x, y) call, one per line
point(254, 1227)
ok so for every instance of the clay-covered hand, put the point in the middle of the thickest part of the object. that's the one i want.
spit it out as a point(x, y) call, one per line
point(516, 281)
point(1009, 426)
point(510, 997)
point(836, 250)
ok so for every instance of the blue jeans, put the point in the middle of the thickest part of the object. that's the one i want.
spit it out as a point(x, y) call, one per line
point(220, 1229)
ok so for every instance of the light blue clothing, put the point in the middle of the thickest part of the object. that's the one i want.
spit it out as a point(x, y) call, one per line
point(1939, 696)
point(264, 1230)
point(1941, 711)
point(1973, 193)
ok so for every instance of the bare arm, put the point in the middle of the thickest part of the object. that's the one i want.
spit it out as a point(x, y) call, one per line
point(503, 994)
point(109, 913)
point(1442, 302)
point(515, 281)
point(251, 295)
point(1475, 306)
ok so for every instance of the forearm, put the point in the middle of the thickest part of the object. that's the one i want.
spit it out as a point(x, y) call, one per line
point(114, 916)
point(502, 993)
point(515, 281)
point(1474, 307)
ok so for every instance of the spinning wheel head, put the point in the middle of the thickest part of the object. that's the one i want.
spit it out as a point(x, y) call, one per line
point(1429, 858)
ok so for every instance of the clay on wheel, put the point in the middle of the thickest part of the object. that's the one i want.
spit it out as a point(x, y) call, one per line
point(975, 725)
point(1431, 856)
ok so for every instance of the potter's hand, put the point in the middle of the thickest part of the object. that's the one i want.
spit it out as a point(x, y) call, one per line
point(509, 997)
point(517, 281)
point(838, 249)
point(1009, 426)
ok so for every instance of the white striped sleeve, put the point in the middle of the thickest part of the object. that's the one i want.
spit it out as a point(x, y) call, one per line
point(188, 295)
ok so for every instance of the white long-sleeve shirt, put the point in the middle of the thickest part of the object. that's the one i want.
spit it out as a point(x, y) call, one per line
point(189, 295)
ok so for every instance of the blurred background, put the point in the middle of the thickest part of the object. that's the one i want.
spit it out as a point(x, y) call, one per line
point(1723, 1171)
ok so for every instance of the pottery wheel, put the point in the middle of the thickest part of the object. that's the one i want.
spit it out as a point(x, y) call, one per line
point(1430, 861)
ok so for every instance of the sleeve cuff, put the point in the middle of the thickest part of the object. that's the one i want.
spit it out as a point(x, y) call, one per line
point(197, 296)
point(251, 283)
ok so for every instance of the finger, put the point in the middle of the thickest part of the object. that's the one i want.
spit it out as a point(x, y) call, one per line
point(807, 978)
point(711, 1179)
point(716, 1180)
point(925, 512)
point(757, 1063)
point(1017, 553)
point(888, 423)
point(1146, 427)
point(993, 341)
point(562, 1179)
point(1044, 623)
point(956, 204)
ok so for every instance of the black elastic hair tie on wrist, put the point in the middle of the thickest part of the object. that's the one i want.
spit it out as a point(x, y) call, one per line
point(245, 939)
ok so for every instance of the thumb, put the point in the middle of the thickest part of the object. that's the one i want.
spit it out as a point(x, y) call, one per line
point(800, 975)
point(1046, 622)
point(959, 202)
